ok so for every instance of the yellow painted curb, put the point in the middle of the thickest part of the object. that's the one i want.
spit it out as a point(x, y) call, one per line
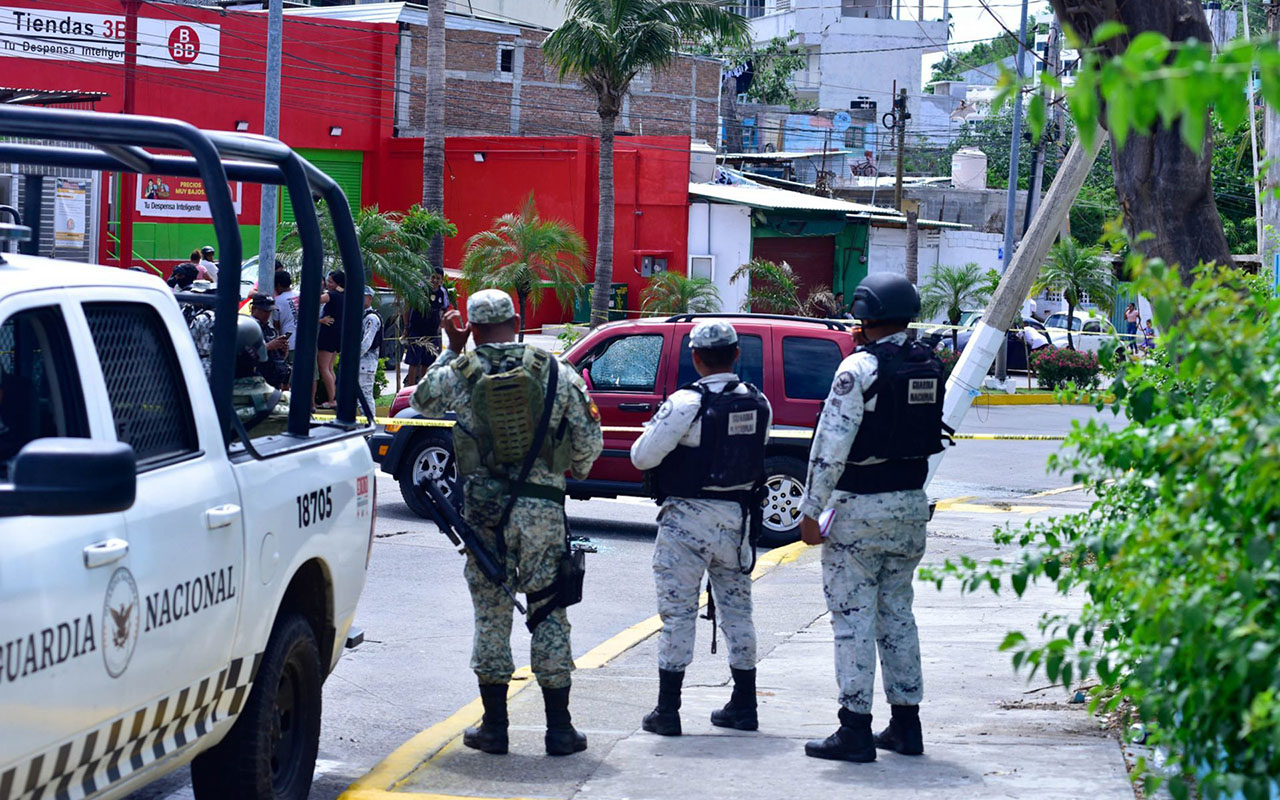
point(401, 763)
point(1034, 399)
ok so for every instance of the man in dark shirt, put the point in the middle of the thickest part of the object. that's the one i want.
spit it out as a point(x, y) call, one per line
point(423, 330)
point(275, 370)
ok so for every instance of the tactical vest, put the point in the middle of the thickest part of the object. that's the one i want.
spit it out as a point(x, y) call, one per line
point(505, 409)
point(734, 429)
point(906, 422)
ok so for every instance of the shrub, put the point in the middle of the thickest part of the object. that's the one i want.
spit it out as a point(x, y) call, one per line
point(1178, 557)
point(1058, 369)
point(949, 358)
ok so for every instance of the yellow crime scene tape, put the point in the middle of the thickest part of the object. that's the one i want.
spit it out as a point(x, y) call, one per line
point(393, 424)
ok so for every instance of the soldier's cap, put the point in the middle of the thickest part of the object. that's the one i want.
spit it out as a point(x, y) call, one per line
point(263, 301)
point(490, 307)
point(208, 248)
point(368, 290)
point(712, 333)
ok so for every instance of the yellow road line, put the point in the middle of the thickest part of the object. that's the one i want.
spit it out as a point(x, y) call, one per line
point(1051, 492)
point(379, 783)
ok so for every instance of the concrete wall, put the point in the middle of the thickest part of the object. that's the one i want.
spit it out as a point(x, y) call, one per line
point(723, 231)
point(888, 250)
point(983, 209)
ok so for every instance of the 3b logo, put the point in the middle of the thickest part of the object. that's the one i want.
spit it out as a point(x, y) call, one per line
point(184, 45)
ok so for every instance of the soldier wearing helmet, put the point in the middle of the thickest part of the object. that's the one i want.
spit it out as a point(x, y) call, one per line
point(704, 450)
point(867, 469)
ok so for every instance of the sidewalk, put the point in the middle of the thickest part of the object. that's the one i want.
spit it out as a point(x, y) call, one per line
point(987, 733)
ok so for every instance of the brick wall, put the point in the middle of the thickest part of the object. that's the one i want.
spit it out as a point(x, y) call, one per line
point(530, 100)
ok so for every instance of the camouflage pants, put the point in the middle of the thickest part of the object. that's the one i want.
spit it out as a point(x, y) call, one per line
point(868, 562)
point(697, 537)
point(366, 389)
point(535, 543)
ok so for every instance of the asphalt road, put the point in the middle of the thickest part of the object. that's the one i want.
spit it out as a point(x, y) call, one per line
point(412, 671)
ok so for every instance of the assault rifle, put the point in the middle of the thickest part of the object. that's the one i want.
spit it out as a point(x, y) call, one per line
point(464, 538)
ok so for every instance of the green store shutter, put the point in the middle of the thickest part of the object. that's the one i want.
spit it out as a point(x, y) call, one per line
point(344, 166)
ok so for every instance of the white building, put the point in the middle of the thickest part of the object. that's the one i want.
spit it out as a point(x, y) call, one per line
point(856, 48)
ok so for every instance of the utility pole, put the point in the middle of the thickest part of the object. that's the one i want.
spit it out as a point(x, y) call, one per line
point(128, 181)
point(271, 127)
point(1270, 203)
point(1011, 204)
point(913, 241)
point(1053, 53)
point(899, 116)
point(1253, 136)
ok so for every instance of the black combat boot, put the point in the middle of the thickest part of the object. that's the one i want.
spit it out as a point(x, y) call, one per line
point(740, 711)
point(561, 738)
point(491, 735)
point(903, 734)
point(852, 742)
point(664, 720)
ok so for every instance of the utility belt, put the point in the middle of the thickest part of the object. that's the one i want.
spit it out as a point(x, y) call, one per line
point(891, 476)
point(742, 497)
point(571, 572)
point(538, 491)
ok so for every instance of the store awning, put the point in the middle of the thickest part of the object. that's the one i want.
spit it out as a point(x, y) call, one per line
point(47, 97)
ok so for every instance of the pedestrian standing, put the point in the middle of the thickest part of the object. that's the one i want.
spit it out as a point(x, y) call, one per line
point(329, 341)
point(492, 441)
point(207, 264)
point(881, 421)
point(370, 346)
point(422, 328)
point(705, 446)
point(285, 316)
point(1131, 319)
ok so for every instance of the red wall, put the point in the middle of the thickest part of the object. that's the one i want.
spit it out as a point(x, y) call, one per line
point(651, 195)
point(335, 73)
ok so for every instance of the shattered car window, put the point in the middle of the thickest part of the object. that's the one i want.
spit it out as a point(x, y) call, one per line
point(628, 364)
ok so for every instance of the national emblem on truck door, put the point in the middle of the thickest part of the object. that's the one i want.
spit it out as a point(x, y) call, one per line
point(120, 617)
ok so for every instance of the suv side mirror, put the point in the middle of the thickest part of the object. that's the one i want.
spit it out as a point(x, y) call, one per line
point(65, 477)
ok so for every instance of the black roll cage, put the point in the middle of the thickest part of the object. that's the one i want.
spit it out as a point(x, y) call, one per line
point(217, 157)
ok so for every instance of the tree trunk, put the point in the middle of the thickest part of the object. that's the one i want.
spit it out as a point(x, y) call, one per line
point(729, 105)
point(1164, 187)
point(913, 247)
point(433, 138)
point(522, 298)
point(604, 224)
point(1071, 317)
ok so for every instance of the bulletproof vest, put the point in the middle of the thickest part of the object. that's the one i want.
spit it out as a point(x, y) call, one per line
point(907, 419)
point(506, 407)
point(376, 347)
point(731, 453)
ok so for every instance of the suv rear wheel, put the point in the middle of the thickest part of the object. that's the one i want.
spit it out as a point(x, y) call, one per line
point(784, 484)
point(430, 456)
point(270, 752)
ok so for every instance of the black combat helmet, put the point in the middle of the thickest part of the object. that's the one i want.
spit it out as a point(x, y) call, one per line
point(251, 348)
point(886, 296)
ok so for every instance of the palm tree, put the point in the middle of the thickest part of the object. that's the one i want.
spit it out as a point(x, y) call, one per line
point(607, 43)
point(433, 126)
point(393, 246)
point(950, 289)
point(772, 288)
point(673, 293)
point(524, 252)
point(1076, 271)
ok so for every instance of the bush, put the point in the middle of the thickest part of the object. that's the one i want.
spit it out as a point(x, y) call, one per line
point(1058, 369)
point(1178, 557)
point(949, 358)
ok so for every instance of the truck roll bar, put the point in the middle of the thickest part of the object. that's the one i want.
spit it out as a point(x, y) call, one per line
point(216, 157)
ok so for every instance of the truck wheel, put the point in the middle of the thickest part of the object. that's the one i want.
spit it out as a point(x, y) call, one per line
point(270, 752)
point(430, 456)
point(784, 483)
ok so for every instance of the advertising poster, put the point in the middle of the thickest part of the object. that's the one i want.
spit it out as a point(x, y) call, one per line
point(70, 211)
point(177, 198)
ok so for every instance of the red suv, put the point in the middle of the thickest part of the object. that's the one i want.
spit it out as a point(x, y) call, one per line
point(630, 368)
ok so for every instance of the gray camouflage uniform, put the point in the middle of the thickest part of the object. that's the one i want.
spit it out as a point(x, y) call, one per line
point(536, 531)
point(870, 554)
point(369, 327)
point(695, 537)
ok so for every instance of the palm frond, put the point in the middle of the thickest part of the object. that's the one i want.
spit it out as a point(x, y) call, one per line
point(674, 293)
point(772, 287)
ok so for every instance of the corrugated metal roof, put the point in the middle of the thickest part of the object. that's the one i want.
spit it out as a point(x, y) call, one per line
point(895, 219)
point(408, 13)
point(780, 156)
point(776, 199)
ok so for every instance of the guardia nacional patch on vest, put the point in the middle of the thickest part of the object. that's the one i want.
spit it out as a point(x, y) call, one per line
point(742, 423)
point(922, 391)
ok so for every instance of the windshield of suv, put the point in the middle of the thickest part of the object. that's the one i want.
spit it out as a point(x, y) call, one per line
point(1060, 321)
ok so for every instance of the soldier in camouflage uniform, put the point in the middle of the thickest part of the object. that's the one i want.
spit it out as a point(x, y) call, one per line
point(535, 535)
point(262, 408)
point(699, 534)
point(873, 544)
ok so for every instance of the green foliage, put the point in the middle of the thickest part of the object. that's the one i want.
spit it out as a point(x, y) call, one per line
point(1076, 271)
point(523, 253)
point(674, 293)
point(1232, 183)
point(773, 65)
point(772, 288)
point(952, 290)
point(1178, 558)
point(380, 379)
point(606, 43)
point(983, 53)
point(568, 336)
point(393, 246)
point(1062, 369)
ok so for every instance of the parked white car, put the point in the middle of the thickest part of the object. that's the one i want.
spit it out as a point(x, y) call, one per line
point(1089, 331)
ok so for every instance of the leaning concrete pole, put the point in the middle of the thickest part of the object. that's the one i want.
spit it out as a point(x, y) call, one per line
point(1006, 304)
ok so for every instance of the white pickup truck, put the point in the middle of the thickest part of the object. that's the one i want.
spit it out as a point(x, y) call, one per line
point(168, 592)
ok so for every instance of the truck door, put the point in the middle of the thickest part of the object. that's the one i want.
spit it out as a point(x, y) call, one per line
point(57, 573)
point(624, 378)
point(185, 533)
